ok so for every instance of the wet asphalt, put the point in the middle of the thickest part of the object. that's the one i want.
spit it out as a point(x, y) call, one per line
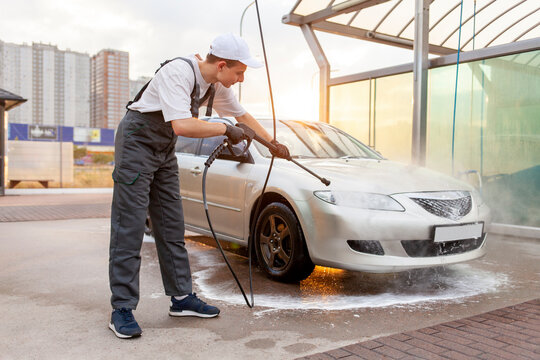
point(54, 299)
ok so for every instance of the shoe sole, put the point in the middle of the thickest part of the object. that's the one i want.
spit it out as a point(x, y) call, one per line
point(121, 336)
point(191, 313)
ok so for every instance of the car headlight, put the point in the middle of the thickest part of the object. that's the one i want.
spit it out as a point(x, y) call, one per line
point(360, 200)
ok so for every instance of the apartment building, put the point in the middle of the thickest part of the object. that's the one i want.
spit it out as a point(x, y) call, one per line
point(109, 88)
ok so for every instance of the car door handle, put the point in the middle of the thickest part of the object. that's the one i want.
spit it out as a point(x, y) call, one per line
point(195, 171)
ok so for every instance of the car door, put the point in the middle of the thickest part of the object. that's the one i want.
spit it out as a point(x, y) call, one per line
point(225, 190)
point(190, 166)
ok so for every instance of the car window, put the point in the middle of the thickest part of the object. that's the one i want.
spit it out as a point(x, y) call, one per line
point(209, 144)
point(187, 145)
point(316, 140)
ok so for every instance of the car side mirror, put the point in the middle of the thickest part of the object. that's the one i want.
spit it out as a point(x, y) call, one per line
point(245, 158)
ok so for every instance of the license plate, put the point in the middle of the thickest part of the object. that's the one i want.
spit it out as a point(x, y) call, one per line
point(458, 232)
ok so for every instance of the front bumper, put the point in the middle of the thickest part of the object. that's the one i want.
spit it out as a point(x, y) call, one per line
point(327, 228)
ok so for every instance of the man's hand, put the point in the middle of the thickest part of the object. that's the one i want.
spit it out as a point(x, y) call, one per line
point(234, 133)
point(280, 151)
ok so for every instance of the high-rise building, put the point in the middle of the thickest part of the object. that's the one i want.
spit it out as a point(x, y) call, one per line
point(109, 91)
point(55, 82)
point(75, 88)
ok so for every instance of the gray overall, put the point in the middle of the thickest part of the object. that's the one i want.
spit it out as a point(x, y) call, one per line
point(146, 177)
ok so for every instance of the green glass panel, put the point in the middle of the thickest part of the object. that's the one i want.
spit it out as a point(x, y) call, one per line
point(496, 131)
point(454, 146)
point(511, 139)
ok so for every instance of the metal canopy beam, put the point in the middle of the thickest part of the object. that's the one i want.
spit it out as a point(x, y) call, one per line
point(420, 76)
point(324, 70)
point(362, 34)
point(322, 19)
point(465, 57)
point(335, 10)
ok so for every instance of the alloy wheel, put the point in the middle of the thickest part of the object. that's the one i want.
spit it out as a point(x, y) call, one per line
point(275, 242)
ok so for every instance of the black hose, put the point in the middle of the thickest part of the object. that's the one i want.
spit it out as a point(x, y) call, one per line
point(221, 248)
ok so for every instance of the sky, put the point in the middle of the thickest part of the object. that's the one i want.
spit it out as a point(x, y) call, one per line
point(153, 31)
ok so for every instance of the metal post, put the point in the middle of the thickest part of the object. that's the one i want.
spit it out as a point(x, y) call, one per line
point(420, 75)
point(324, 68)
point(2, 148)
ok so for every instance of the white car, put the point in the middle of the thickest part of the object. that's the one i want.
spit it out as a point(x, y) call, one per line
point(376, 216)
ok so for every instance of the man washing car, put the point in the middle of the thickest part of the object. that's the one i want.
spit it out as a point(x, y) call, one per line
point(146, 172)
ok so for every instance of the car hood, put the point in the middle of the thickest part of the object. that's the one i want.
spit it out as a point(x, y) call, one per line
point(377, 176)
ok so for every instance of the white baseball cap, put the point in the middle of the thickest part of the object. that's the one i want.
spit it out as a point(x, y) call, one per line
point(233, 47)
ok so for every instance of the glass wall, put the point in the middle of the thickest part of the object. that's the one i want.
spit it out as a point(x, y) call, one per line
point(496, 132)
point(352, 101)
point(393, 116)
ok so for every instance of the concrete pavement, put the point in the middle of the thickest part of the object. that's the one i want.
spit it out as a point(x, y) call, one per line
point(54, 300)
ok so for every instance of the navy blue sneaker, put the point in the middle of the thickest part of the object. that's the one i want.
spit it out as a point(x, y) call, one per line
point(123, 324)
point(192, 306)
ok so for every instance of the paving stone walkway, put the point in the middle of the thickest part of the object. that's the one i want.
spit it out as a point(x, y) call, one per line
point(510, 333)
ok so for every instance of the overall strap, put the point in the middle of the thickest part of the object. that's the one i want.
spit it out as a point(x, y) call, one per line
point(195, 93)
point(210, 96)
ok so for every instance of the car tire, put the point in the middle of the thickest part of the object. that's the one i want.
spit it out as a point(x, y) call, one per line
point(280, 246)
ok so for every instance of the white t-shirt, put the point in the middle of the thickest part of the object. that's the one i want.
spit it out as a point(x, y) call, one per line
point(170, 91)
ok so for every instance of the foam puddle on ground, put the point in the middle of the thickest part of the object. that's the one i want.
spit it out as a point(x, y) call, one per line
point(329, 289)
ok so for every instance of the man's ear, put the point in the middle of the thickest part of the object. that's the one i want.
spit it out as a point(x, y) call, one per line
point(221, 64)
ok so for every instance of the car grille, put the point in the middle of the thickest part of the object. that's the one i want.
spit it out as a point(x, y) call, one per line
point(453, 209)
point(429, 248)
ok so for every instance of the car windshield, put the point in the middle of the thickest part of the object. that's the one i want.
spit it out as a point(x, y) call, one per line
point(316, 140)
